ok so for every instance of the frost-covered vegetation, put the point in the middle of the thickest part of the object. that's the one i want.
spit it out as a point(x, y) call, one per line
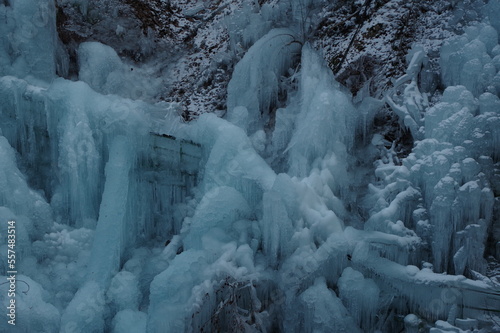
point(306, 194)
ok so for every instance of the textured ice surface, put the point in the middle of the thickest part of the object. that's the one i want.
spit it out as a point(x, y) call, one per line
point(29, 39)
point(33, 301)
point(128, 321)
point(360, 295)
point(259, 221)
point(322, 311)
point(103, 70)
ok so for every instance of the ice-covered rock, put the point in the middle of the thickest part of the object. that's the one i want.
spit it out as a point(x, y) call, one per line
point(124, 291)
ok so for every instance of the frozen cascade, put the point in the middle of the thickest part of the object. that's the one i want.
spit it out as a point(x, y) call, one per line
point(63, 124)
point(326, 116)
point(29, 39)
point(248, 102)
point(128, 221)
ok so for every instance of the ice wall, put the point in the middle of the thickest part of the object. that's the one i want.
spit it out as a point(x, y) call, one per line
point(29, 39)
point(62, 133)
point(69, 165)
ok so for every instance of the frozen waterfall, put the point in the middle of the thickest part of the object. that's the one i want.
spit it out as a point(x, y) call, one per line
point(276, 217)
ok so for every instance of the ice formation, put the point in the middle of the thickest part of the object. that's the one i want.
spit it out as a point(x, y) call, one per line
point(257, 221)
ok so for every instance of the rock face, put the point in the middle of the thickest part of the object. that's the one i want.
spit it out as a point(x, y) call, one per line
point(159, 33)
point(364, 42)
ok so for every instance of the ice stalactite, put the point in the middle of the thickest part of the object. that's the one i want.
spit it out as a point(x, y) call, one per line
point(262, 66)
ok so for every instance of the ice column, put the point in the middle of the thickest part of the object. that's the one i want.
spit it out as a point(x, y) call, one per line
point(110, 234)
